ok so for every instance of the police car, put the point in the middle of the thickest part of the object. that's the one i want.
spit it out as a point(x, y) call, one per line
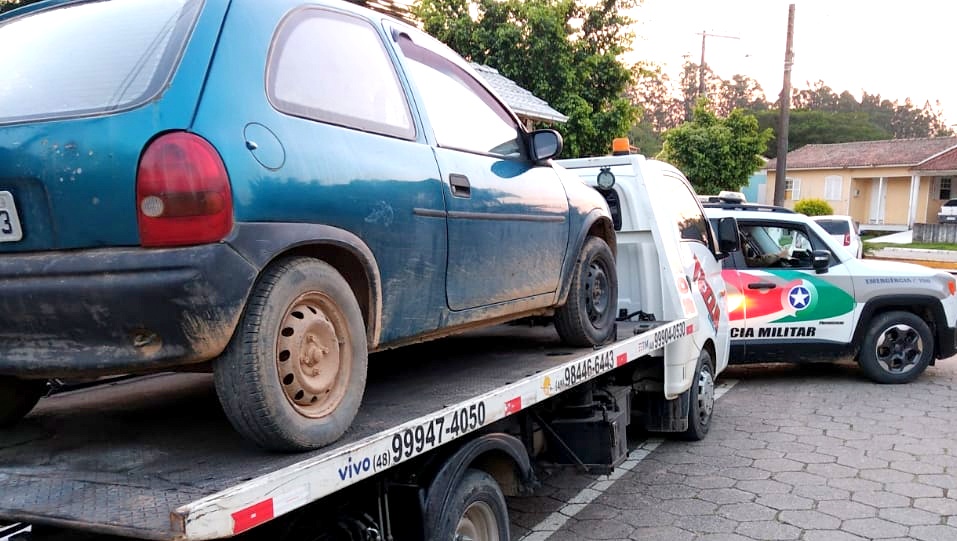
point(794, 294)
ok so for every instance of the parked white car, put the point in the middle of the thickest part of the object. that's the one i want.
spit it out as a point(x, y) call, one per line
point(844, 230)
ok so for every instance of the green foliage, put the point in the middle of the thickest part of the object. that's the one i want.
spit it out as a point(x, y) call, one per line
point(813, 207)
point(716, 153)
point(9, 5)
point(821, 127)
point(819, 115)
point(563, 51)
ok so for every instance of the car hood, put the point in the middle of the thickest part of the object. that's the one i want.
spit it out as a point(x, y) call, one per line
point(877, 277)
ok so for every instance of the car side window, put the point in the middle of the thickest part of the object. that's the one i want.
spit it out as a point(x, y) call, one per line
point(463, 114)
point(775, 246)
point(692, 225)
point(333, 67)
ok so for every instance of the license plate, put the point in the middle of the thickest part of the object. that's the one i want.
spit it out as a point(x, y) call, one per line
point(9, 219)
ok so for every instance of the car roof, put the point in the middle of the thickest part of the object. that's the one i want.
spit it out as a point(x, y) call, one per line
point(746, 207)
point(754, 212)
point(833, 217)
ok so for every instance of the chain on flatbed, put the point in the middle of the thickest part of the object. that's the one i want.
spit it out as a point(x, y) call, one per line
point(253, 488)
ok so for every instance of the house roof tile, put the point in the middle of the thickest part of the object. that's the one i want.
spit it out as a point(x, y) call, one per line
point(892, 152)
point(943, 162)
point(523, 102)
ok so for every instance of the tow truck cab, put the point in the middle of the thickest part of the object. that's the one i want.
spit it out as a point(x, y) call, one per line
point(664, 241)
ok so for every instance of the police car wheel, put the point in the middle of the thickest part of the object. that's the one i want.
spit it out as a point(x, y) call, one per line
point(702, 400)
point(897, 348)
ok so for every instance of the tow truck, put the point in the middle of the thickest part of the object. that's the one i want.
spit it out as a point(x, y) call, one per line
point(440, 438)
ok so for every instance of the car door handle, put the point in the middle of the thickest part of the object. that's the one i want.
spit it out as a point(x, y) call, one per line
point(762, 285)
point(460, 185)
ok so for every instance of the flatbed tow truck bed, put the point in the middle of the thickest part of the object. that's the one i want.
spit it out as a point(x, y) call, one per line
point(155, 458)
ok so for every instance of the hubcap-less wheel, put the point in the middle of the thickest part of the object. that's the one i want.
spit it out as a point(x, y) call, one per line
point(477, 524)
point(596, 292)
point(313, 353)
point(899, 348)
point(705, 395)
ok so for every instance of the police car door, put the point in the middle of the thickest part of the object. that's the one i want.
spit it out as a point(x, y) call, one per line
point(781, 308)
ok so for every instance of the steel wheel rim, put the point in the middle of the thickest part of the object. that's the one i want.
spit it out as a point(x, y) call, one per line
point(705, 394)
point(478, 523)
point(313, 357)
point(596, 292)
point(899, 348)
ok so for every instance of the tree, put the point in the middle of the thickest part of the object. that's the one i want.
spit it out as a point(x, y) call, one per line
point(8, 5)
point(716, 153)
point(821, 127)
point(563, 51)
point(814, 207)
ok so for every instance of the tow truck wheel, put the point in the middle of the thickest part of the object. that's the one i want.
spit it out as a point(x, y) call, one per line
point(475, 511)
point(897, 348)
point(702, 399)
point(294, 373)
point(17, 398)
point(588, 316)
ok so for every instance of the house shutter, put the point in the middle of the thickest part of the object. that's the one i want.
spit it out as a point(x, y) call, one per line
point(833, 187)
point(795, 189)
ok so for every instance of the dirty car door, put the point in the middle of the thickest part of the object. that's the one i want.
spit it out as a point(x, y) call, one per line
point(507, 217)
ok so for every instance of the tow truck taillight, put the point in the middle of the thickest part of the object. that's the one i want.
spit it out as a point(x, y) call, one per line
point(182, 192)
point(847, 239)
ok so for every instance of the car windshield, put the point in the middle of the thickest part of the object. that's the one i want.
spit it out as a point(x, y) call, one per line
point(90, 57)
point(835, 227)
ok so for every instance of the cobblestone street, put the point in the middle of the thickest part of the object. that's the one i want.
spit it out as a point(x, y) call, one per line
point(812, 453)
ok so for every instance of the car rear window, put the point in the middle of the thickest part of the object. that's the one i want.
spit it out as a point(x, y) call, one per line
point(835, 227)
point(951, 203)
point(90, 57)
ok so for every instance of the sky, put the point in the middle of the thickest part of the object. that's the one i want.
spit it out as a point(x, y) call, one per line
point(895, 49)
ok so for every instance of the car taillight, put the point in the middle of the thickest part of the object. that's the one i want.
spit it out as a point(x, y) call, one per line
point(182, 192)
point(847, 239)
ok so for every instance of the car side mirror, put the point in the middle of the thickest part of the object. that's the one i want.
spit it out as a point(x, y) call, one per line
point(546, 144)
point(820, 260)
point(728, 238)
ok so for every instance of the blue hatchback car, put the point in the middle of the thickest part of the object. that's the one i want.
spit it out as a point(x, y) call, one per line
point(269, 190)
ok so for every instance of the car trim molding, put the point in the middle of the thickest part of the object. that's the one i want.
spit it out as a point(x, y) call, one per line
point(462, 215)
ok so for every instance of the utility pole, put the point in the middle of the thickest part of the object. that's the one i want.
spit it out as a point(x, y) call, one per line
point(701, 86)
point(784, 120)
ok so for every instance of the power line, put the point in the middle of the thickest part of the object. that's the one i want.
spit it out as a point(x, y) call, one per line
point(704, 35)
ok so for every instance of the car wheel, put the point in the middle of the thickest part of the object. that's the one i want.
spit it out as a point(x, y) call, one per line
point(897, 348)
point(474, 510)
point(702, 399)
point(294, 373)
point(588, 316)
point(17, 397)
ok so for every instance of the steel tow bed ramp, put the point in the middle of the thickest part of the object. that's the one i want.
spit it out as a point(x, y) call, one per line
point(155, 458)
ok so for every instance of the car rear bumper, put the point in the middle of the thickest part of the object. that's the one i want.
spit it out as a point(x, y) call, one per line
point(116, 310)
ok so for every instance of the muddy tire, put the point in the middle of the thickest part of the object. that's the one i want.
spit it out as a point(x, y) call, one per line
point(702, 400)
point(294, 373)
point(17, 398)
point(588, 315)
point(474, 510)
point(897, 348)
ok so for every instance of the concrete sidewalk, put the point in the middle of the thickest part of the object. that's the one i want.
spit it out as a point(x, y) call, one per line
point(940, 259)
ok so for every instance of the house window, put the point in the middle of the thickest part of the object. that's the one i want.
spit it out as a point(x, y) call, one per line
point(833, 187)
point(792, 189)
point(943, 188)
